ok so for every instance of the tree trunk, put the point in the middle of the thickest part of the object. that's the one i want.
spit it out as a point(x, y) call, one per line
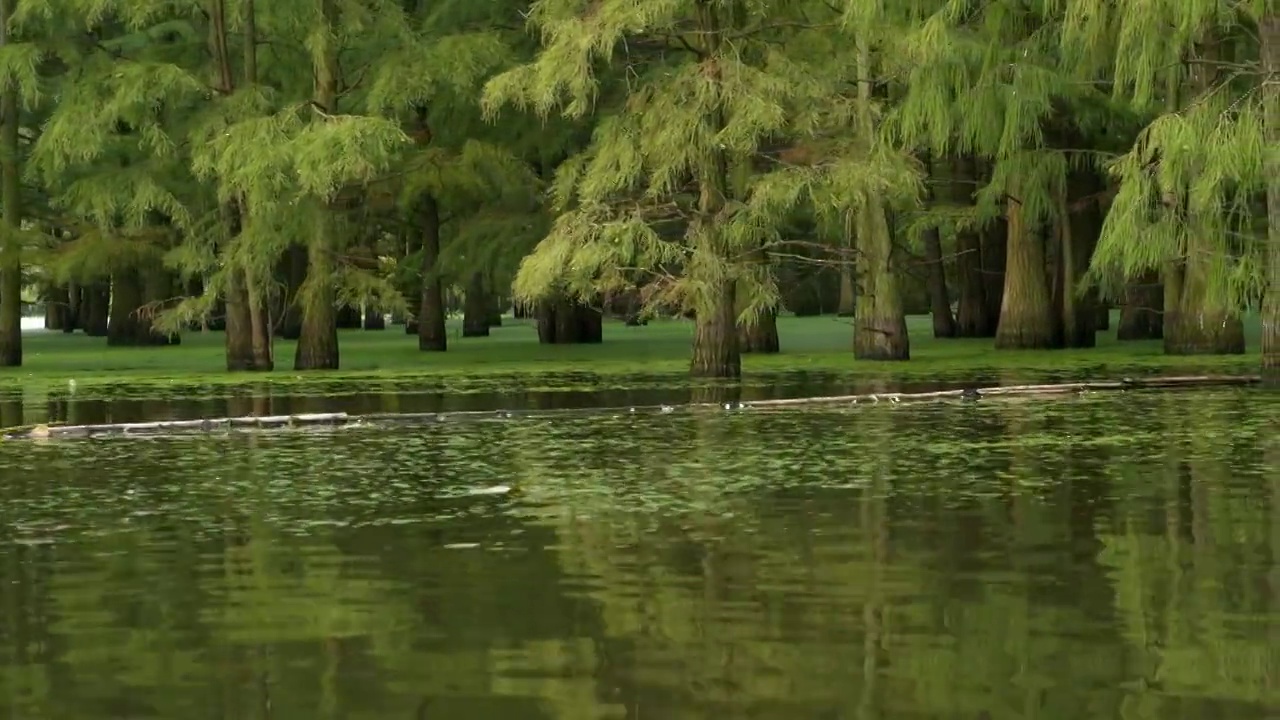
point(157, 292)
point(994, 240)
point(1077, 234)
point(1202, 325)
point(567, 322)
point(94, 309)
point(75, 298)
point(1142, 313)
point(318, 339)
point(1026, 318)
point(239, 338)
point(129, 325)
point(475, 308)
point(349, 318)
point(293, 272)
point(1103, 320)
point(10, 200)
point(374, 319)
point(880, 323)
point(256, 291)
point(762, 335)
point(57, 308)
point(716, 353)
point(973, 319)
point(1269, 34)
point(944, 325)
point(848, 295)
point(432, 334)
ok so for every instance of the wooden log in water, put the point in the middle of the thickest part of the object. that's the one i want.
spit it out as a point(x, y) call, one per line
point(1016, 390)
point(53, 430)
point(174, 426)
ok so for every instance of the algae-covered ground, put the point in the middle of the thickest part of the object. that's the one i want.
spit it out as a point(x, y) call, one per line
point(654, 354)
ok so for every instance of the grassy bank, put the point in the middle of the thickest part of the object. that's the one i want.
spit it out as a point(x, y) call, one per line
point(816, 345)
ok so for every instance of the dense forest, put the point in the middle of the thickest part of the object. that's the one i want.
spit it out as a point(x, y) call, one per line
point(285, 169)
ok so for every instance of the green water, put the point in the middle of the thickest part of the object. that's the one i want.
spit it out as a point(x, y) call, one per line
point(1112, 556)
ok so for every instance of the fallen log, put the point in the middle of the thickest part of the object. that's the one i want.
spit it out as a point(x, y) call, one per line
point(319, 420)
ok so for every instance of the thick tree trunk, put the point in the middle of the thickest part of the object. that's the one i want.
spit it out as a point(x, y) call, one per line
point(10, 200)
point(94, 309)
point(1142, 314)
point(432, 334)
point(128, 324)
point(374, 319)
point(1201, 325)
point(760, 336)
point(349, 318)
point(880, 325)
point(57, 308)
point(1026, 317)
point(238, 340)
point(1102, 319)
point(567, 322)
point(716, 353)
point(475, 308)
point(1269, 33)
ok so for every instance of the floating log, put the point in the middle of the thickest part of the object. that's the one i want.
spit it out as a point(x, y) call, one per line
point(163, 427)
point(975, 393)
point(172, 427)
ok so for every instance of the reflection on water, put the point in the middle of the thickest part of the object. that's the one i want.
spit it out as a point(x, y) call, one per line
point(1098, 557)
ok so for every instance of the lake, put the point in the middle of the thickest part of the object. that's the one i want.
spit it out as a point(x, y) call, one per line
point(1102, 556)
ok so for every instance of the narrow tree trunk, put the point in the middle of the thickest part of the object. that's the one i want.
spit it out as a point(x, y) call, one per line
point(75, 298)
point(1078, 232)
point(1102, 321)
point(432, 334)
point(374, 318)
point(848, 294)
point(475, 308)
point(318, 341)
point(880, 323)
point(1173, 276)
point(1142, 314)
point(972, 316)
point(994, 240)
point(1269, 34)
point(256, 293)
point(349, 318)
point(293, 271)
point(762, 335)
point(944, 325)
point(10, 199)
point(1026, 318)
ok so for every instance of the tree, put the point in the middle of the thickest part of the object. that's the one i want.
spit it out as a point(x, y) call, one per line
point(1192, 188)
point(702, 84)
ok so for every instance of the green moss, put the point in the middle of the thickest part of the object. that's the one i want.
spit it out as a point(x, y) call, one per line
point(629, 357)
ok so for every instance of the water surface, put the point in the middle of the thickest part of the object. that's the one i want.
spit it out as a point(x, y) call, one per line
point(1103, 556)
